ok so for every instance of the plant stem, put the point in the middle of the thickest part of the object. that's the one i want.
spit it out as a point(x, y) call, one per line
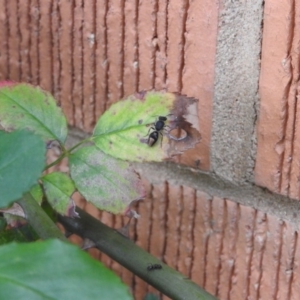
point(66, 153)
point(125, 252)
point(39, 220)
point(56, 161)
point(80, 143)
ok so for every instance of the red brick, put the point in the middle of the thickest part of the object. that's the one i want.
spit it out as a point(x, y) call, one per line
point(277, 163)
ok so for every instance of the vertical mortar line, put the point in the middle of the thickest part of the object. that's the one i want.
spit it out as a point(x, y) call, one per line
point(123, 48)
point(287, 109)
point(167, 200)
point(290, 282)
point(179, 231)
point(72, 61)
point(193, 233)
point(182, 63)
point(282, 139)
point(105, 40)
point(165, 46)
point(225, 220)
point(236, 234)
point(38, 42)
point(207, 235)
point(20, 41)
point(254, 135)
point(95, 60)
point(82, 64)
point(93, 67)
point(279, 260)
point(29, 27)
point(292, 26)
point(53, 7)
point(154, 50)
point(7, 38)
point(256, 103)
point(293, 138)
point(136, 53)
point(294, 126)
point(166, 43)
point(4, 74)
point(59, 75)
point(51, 47)
point(137, 46)
point(261, 259)
point(248, 267)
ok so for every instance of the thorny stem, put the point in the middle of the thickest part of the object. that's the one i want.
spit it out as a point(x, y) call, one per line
point(132, 257)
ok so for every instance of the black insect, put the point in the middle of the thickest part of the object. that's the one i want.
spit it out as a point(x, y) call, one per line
point(152, 267)
point(157, 127)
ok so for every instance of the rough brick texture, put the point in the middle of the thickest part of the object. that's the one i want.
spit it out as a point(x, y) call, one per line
point(277, 164)
point(233, 251)
point(90, 54)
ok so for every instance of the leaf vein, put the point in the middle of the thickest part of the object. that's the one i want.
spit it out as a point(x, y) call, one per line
point(41, 123)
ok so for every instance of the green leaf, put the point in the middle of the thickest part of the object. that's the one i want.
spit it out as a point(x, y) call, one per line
point(37, 193)
point(108, 183)
point(122, 131)
point(22, 159)
point(23, 106)
point(55, 270)
point(59, 188)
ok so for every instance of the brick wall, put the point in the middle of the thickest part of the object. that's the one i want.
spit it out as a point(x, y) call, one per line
point(226, 214)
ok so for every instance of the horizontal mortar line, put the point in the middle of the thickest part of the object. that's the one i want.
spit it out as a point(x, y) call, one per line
point(247, 194)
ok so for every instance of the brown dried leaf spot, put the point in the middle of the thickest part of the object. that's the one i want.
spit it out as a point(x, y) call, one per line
point(183, 130)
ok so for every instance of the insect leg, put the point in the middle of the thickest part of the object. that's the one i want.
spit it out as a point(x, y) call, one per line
point(149, 130)
point(162, 136)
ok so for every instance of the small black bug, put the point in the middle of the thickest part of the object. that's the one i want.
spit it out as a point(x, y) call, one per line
point(160, 124)
point(152, 267)
point(157, 128)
